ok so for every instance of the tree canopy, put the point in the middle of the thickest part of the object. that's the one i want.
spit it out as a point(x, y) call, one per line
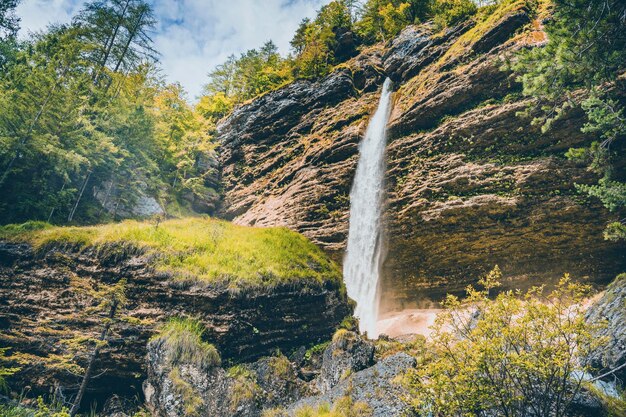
point(586, 53)
point(83, 106)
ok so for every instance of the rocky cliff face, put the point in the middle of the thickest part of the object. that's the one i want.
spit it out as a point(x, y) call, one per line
point(49, 312)
point(274, 385)
point(288, 157)
point(471, 183)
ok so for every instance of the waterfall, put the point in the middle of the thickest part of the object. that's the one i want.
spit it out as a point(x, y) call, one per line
point(364, 253)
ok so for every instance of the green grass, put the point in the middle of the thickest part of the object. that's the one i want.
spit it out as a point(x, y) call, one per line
point(182, 339)
point(198, 248)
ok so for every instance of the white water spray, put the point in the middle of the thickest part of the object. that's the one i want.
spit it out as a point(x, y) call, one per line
point(364, 254)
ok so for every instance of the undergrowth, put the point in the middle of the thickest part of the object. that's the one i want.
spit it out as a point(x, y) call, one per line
point(182, 340)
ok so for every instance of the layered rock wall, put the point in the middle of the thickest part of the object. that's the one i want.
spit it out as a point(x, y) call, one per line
point(50, 313)
point(471, 182)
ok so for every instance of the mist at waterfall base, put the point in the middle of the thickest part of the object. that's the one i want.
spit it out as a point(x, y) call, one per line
point(365, 252)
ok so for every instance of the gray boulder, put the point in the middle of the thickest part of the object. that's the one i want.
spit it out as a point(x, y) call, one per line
point(188, 389)
point(347, 353)
point(376, 386)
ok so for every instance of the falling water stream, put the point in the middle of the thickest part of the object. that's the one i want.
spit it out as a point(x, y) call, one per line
point(365, 250)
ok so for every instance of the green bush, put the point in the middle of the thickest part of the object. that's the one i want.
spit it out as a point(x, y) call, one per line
point(514, 354)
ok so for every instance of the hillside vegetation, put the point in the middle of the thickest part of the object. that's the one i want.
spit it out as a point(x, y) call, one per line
point(198, 248)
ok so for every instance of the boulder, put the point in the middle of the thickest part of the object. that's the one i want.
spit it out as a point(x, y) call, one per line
point(609, 312)
point(184, 389)
point(348, 353)
point(377, 386)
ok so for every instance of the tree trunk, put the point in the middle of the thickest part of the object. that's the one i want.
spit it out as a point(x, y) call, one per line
point(109, 45)
point(131, 35)
point(92, 360)
point(82, 190)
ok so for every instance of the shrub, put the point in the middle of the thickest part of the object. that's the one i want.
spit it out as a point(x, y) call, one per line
point(344, 338)
point(513, 355)
point(281, 367)
point(244, 389)
point(343, 407)
point(182, 339)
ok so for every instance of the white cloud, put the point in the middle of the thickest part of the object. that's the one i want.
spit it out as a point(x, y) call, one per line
point(193, 36)
point(37, 14)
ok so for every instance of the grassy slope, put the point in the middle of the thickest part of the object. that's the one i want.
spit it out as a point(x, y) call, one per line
point(199, 248)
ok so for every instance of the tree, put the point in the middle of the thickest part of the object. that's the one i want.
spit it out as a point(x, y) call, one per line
point(514, 355)
point(587, 40)
point(383, 19)
point(73, 113)
point(254, 72)
point(9, 25)
point(9, 22)
point(316, 43)
point(118, 35)
point(450, 12)
point(185, 133)
point(112, 299)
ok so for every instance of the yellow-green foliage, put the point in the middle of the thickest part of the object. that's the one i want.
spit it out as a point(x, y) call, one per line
point(245, 387)
point(200, 248)
point(615, 407)
point(4, 371)
point(514, 354)
point(43, 410)
point(274, 412)
point(388, 347)
point(344, 338)
point(190, 398)
point(281, 367)
point(343, 407)
point(182, 340)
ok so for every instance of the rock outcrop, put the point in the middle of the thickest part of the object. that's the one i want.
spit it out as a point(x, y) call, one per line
point(471, 181)
point(242, 391)
point(49, 311)
point(608, 316)
point(376, 386)
point(274, 384)
point(348, 353)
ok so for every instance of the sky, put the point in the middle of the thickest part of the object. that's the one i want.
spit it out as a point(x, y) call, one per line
point(193, 36)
